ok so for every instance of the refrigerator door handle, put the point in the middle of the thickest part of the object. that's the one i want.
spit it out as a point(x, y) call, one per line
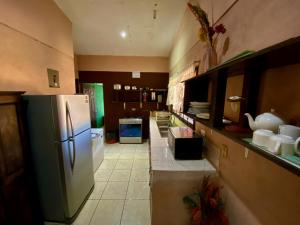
point(69, 116)
point(72, 157)
point(71, 139)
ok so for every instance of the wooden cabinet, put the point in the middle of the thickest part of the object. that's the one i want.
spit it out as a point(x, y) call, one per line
point(18, 204)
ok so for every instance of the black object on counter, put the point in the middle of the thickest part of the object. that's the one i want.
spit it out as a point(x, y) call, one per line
point(185, 143)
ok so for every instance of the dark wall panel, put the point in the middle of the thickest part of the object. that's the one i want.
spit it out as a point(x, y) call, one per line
point(115, 110)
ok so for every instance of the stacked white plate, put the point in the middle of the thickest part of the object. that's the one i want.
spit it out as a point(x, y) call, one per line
point(203, 116)
point(198, 107)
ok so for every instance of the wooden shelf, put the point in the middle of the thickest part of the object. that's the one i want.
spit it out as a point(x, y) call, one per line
point(294, 168)
point(136, 96)
point(238, 137)
point(211, 86)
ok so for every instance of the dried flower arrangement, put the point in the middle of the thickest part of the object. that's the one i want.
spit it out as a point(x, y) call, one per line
point(206, 32)
point(206, 205)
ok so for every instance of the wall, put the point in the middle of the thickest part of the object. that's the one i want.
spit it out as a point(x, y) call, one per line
point(279, 90)
point(251, 25)
point(257, 190)
point(35, 35)
point(122, 63)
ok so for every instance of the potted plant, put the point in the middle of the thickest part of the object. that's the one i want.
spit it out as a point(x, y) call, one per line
point(206, 205)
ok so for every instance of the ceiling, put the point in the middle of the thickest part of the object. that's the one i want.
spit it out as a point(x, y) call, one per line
point(97, 25)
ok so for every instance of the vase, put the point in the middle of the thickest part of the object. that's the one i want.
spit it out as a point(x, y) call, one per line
point(212, 57)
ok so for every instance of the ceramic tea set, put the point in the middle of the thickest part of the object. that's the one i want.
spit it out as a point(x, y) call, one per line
point(266, 126)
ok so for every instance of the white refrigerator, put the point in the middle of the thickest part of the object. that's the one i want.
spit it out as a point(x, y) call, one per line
point(60, 141)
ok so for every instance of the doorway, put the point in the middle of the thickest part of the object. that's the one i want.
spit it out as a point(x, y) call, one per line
point(95, 92)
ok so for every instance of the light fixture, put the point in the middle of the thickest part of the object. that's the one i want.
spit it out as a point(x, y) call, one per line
point(123, 34)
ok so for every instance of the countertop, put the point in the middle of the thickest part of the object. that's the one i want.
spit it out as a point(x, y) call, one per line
point(162, 159)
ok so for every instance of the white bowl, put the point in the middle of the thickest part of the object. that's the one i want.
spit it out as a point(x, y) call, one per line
point(262, 137)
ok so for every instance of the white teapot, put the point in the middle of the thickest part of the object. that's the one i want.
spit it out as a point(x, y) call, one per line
point(267, 121)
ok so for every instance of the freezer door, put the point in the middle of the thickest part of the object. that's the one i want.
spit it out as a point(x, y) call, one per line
point(73, 115)
point(77, 170)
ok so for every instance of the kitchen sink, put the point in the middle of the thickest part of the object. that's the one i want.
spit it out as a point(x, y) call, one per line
point(163, 127)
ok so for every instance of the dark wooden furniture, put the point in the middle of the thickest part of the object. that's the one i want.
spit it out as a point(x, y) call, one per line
point(18, 203)
point(257, 79)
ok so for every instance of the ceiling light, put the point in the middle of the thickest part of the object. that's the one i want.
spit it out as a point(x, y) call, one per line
point(123, 34)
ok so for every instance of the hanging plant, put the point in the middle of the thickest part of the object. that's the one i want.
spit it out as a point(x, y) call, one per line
point(206, 205)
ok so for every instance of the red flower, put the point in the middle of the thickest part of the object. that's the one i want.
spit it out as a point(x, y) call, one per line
point(223, 218)
point(213, 203)
point(211, 31)
point(209, 209)
point(196, 216)
point(220, 28)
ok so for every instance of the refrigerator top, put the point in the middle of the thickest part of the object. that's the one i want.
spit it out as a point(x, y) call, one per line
point(72, 115)
point(65, 115)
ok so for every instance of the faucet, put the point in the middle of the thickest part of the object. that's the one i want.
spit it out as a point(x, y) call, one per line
point(171, 121)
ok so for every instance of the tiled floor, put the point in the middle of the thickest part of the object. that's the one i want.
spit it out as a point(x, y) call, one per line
point(121, 193)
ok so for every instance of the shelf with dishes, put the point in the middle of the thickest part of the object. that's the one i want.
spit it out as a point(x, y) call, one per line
point(289, 161)
point(247, 85)
point(144, 95)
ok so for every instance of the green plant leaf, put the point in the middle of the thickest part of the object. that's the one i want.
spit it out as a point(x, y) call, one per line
point(189, 201)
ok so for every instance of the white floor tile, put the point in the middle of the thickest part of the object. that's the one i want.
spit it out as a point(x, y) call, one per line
point(108, 212)
point(112, 146)
point(86, 213)
point(138, 190)
point(98, 190)
point(123, 174)
point(140, 164)
point(136, 212)
point(128, 147)
point(141, 155)
point(120, 175)
point(115, 190)
point(108, 164)
point(102, 175)
point(143, 147)
point(124, 164)
point(140, 175)
point(127, 155)
point(111, 150)
point(113, 155)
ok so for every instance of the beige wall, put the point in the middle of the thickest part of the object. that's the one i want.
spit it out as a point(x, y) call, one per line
point(35, 35)
point(251, 25)
point(76, 66)
point(122, 63)
point(257, 191)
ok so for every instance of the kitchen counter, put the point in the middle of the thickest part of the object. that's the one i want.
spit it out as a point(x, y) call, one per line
point(162, 159)
point(171, 180)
